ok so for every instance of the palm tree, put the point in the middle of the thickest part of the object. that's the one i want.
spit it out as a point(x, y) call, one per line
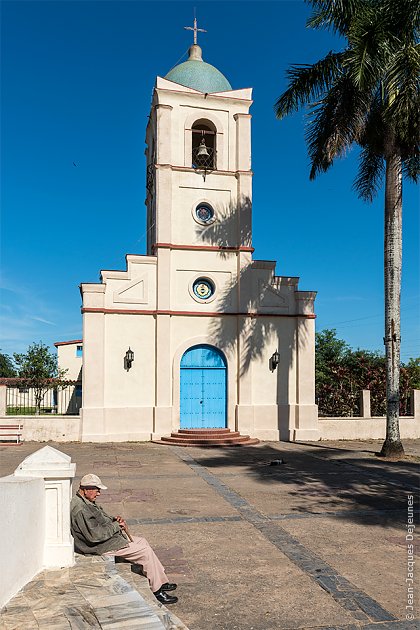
point(368, 94)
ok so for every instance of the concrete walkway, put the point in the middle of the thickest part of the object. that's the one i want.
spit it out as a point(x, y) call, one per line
point(317, 539)
point(90, 595)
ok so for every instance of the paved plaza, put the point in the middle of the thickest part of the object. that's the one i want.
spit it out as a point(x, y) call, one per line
point(274, 536)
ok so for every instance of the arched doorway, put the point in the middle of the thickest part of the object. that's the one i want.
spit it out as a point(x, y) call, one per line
point(203, 388)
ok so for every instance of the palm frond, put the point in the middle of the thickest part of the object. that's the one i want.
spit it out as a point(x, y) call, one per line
point(402, 82)
point(411, 168)
point(368, 49)
point(402, 98)
point(337, 121)
point(375, 133)
point(402, 18)
point(370, 174)
point(334, 16)
point(307, 83)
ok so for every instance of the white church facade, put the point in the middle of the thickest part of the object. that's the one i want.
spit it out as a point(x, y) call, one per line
point(197, 333)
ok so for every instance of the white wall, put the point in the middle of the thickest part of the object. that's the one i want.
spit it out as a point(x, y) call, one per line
point(365, 428)
point(47, 428)
point(68, 429)
point(68, 360)
point(35, 505)
point(23, 533)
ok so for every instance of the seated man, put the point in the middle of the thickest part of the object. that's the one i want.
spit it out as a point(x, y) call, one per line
point(96, 533)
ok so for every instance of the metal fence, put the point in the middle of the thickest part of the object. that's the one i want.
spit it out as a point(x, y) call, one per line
point(332, 404)
point(65, 399)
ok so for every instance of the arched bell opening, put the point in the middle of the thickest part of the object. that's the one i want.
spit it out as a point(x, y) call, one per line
point(203, 145)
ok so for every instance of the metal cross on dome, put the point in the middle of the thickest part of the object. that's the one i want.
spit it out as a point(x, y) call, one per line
point(195, 29)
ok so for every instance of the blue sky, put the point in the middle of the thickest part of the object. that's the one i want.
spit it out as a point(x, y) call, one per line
point(77, 80)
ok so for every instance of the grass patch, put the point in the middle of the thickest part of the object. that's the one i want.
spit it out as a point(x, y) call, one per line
point(27, 411)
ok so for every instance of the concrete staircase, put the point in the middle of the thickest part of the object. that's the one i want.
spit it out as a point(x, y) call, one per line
point(207, 438)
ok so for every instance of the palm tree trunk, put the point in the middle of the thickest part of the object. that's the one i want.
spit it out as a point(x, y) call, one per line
point(392, 446)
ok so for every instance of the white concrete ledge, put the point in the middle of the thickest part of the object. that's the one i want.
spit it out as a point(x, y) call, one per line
point(35, 503)
point(57, 472)
point(47, 428)
point(365, 428)
point(23, 533)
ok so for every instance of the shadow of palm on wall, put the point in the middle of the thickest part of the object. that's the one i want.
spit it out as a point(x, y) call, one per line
point(245, 295)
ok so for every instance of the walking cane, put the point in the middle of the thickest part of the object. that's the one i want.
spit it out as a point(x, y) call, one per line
point(127, 534)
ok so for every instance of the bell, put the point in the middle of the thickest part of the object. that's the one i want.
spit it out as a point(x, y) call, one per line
point(202, 149)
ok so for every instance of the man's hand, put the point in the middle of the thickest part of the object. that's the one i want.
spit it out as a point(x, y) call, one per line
point(124, 527)
point(121, 522)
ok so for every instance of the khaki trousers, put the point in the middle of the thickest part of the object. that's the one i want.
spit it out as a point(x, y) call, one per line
point(140, 552)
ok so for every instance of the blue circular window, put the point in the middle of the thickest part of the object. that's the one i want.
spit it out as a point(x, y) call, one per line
point(203, 288)
point(204, 213)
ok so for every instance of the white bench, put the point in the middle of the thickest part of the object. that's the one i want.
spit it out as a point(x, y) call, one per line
point(11, 434)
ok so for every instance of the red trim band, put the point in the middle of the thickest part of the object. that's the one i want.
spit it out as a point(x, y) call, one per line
point(206, 248)
point(115, 311)
point(66, 343)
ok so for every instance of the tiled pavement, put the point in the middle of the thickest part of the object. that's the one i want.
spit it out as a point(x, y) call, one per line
point(316, 542)
point(89, 595)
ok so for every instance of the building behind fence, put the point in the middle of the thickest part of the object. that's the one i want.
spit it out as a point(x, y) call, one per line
point(64, 399)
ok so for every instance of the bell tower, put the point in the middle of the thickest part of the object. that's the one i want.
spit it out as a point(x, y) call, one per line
point(199, 180)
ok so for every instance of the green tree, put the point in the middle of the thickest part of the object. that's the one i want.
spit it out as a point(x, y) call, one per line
point(38, 369)
point(331, 375)
point(342, 373)
point(7, 369)
point(333, 379)
point(410, 379)
point(328, 349)
point(368, 94)
point(413, 372)
point(367, 371)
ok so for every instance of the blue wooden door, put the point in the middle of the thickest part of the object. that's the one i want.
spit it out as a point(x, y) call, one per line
point(203, 388)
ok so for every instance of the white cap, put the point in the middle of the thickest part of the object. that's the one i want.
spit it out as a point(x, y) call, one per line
point(92, 480)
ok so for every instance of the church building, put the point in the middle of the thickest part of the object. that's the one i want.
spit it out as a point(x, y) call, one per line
point(197, 334)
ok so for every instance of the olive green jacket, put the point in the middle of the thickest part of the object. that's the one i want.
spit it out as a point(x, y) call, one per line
point(93, 530)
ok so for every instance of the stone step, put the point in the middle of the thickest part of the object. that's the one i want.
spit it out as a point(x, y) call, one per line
point(211, 441)
point(205, 434)
point(206, 430)
point(206, 438)
point(178, 438)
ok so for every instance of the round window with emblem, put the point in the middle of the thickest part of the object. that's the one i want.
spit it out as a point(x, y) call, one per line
point(204, 213)
point(203, 288)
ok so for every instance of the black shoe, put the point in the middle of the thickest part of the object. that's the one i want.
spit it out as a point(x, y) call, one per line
point(164, 598)
point(168, 586)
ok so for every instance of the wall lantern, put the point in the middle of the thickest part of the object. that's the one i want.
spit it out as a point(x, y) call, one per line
point(274, 361)
point(128, 359)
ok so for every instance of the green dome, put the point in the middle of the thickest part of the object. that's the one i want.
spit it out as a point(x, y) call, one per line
point(199, 75)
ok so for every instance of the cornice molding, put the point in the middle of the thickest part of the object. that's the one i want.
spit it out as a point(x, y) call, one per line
point(68, 343)
point(204, 248)
point(206, 96)
point(156, 312)
point(190, 169)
